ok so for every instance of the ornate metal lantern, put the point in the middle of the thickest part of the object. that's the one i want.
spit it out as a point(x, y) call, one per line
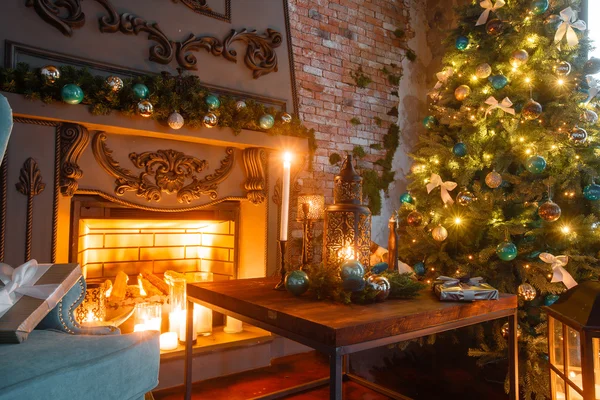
point(574, 343)
point(310, 209)
point(347, 228)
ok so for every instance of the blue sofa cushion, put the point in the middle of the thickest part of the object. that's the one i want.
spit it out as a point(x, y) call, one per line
point(60, 366)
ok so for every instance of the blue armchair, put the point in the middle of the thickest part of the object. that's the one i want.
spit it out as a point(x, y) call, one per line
point(62, 360)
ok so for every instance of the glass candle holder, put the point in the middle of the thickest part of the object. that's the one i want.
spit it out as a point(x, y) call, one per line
point(147, 317)
point(233, 325)
point(178, 301)
point(203, 316)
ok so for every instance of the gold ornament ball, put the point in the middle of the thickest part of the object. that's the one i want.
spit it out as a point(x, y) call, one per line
point(439, 233)
point(505, 331)
point(462, 92)
point(526, 292)
point(532, 110)
point(519, 58)
point(493, 180)
point(114, 83)
point(414, 218)
point(175, 121)
point(483, 71)
point(464, 197)
point(145, 108)
point(286, 118)
point(210, 120)
point(50, 73)
point(549, 211)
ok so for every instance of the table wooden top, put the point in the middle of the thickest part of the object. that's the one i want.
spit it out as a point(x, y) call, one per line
point(335, 324)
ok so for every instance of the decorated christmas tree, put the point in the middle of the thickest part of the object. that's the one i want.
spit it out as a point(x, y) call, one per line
point(503, 183)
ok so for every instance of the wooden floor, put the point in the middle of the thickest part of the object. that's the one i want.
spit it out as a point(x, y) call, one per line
point(283, 373)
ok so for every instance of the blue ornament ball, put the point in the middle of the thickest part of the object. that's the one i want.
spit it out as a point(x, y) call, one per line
point(266, 121)
point(459, 149)
point(592, 192)
point(141, 91)
point(419, 268)
point(406, 198)
point(539, 6)
point(71, 94)
point(379, 268)
point(535, 164)
point(550, 299)
point(429, 122)
point(212, 102)
point(462, 42)
point(507, 251)
point(352, 273)
point(296, 282)
point(498, 81)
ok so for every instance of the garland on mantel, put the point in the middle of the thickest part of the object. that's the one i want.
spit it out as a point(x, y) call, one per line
point(184, 94)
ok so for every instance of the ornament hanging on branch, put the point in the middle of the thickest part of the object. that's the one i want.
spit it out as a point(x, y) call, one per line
point(562, 69)
point(589, 116)
point(114, 83)
point(505, 330)
point(578, 135)
point(498, 81)
point(532, 110)
point(212, 102)
point(483, 71)
point(439, 233)
point(419, 268)
point(266, 121)
point(175, 121)
point(72, 94)
point(50, 74)
point(539, 6)
point(550, 299)
point(592, 192)
point(414, 218)
point(493, 180)
point(549, 211)
point(568, 24)
point(459, 149)
point(442, 78)
point(519, 58)
point(507, 251)
point(406, 198)
point(526, 292)
point(436, 181)
point(488, 8)
point(462, 92)
point(429, 122)
point(462, 43)
point(535, 164)
point(464, 197)
point(494, 27)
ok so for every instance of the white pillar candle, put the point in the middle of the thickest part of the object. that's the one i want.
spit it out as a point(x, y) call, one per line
point(202, 320)
point(177, 324)
point(168, 341)
point(285, 196)
point(233, 325)
point(139, 327)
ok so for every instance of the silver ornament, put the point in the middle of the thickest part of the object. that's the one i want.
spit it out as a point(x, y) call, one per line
point(210, 120)
point(286, 118)
point(519, 58)
point(493, 180)
point(381, 285)
point(439, 233)
point(464, 197)
point(145, 108)
point(50, 73)
point(505, 330)
point(483, 71)
point(114, 83)
point(527, 292)
point(563, 68)
point(589, 116)
point(240, 105)
point(578, 135)
point(175, 120)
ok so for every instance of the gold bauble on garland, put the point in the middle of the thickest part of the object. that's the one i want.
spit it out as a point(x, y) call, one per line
point(145, 108)
point(210, 120)
point(286, 118)
point(114, 83)
point(50, 73)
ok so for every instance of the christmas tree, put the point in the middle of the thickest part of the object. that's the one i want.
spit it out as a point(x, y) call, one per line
point(502, 182)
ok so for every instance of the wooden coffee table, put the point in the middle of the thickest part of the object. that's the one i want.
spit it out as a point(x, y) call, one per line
point(340, 330)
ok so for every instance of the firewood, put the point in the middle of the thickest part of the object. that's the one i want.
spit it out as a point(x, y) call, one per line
point(157, 282)
point(120, 287)
point(151, 289)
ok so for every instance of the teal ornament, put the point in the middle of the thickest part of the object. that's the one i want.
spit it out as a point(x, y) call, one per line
point(212, 102)
point(296, 282)
point(71, 94)
point(379, 268)
point(429, 122)
point(592, 66)
point(6, 124)
point(539, 6)
point(498, 81)
point(459, 149)
point(419, 268)
point(534, 255)
point(507, 251)
point(352, 273)
point(592, 192)
point(462, 42)
point(141, 91)
point(550, 299)
point(266, 121)
point(406, 198)
point(544, 356)
point(535, 164)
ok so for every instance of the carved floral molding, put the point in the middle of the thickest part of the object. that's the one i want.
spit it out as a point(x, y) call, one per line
point(201, 7)
point(260, 58)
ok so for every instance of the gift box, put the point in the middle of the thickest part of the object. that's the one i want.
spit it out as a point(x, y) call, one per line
point(463, 289)
point(28, 293)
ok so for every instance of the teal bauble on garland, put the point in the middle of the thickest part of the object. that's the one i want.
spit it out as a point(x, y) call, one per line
point(498, 81)
point(429, 122)
point(592, 192)
point(71, 94)
point(140, 91)
point(539, 6)
point(406, 198)
point(352, 273)
point(266, 121)
point(462, 42)
point(379, 268)
point(535, 164)
point(212, 102)
point(297, 282)
point(507, 251)
point(459, 149)
point(419, 268)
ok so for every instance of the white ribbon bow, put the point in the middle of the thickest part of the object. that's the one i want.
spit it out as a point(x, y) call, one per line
point(20, 282)
point(594, 85)
point(504, 105)
point(455, 281)
point(569, 20)
point(559, 274)
point(487, 4)
point(442, 77)
point(436, 181)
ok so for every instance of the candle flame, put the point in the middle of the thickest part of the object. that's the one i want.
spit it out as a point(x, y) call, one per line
point(141, 286)
point(90, 317)
point(287, 157)
point(347, 253)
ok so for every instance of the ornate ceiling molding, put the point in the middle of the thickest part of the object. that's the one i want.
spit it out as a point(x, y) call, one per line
point(201, 7)
point(260, 58)
point(166, 171)
point(73, 141)
point(255, 160)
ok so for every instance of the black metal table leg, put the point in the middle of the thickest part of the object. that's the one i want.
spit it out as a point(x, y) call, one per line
point(189, 332)
point(513, 357)
point(335, 376)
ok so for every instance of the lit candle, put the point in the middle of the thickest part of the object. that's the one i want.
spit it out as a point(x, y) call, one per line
point(202, 320)
point(177, 324)
point(347, 253)
point(139, 327)
point(233, 325)
point(285, 199)
point(168, 341)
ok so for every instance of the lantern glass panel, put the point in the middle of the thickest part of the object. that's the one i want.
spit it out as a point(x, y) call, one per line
point(596, 353)
point(558, 386)
point(558, 359)
point(574, 395)
point(574, 357)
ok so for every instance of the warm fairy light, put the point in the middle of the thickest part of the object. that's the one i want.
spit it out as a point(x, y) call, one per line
point(526, 266)
point(474, 78)
point(554, 147)
point(458, 271)
point(472, 117)
point(457, 221)
point(425, 180)
point(432, 269)
point(566, 229)
point(577, 157)
point(527, 79)
point(521, 139)
point(414, 240)
point(532, 39)
point(428, 280)
point(486, 90)
point(528, 151)
point(550, 276)
point(560, 82)
point(470, 257)
point(514, 69)
point(486, 156)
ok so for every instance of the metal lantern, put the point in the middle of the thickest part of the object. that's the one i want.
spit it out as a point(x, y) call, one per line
point(347, 228)
point(574, 343)
point(310, 209)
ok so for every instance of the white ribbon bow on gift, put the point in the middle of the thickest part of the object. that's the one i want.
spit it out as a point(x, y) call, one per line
point(505, 105)
point(436, 181)
point(559, 274)
point(20, 282)
point(487, 4)
point(594, 85)
point(442, 78)
point(455, 281)
point(567, 26)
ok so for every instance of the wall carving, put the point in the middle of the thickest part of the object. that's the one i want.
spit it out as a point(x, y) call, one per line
point(73, 141)
point(166, 171)
point(255, 160)
point(201, 7)
point(260, 58)
point(30, 184)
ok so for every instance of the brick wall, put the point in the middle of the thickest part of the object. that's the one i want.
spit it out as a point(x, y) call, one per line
point(331, 39)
